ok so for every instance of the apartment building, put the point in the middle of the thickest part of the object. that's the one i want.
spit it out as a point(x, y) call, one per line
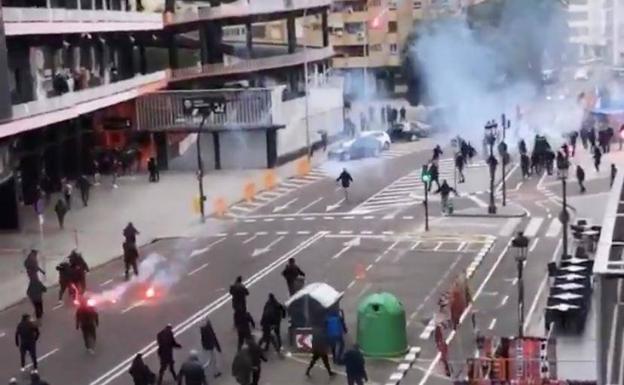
point(591, 28)
point(368, 37)
point(71, 72)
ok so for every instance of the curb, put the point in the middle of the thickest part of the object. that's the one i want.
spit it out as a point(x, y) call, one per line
point(522, 215)
point(406, 364)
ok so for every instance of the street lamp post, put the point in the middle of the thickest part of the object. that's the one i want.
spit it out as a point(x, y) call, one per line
point(425, 176)
point(200, 171)
point(490, 136)
point(305, 80)
point(564, 216)
point(503, 146)
point(521, 244)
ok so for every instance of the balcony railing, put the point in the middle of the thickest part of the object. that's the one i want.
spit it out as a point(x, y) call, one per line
point(242, 9)
point(23, 21)
point(72, 99)
point(252, 65)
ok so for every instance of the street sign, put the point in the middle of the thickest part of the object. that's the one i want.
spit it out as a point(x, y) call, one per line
point(205, 105)
point(303, 339)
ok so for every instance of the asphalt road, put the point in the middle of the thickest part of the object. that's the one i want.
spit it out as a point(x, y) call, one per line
point(358, 253)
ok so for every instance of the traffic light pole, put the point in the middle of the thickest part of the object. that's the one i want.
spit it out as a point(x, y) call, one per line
point(200, 171)
point(426, 184)
point(504, 163)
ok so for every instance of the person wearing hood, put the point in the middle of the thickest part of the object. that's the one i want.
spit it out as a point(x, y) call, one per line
point(35, 295)
point(61, 210)
point(210, 343)
point(239, 294)
point(192, 372)
point(130, 257)
point(242, 367)
point(244, 322)
point(79, 269)
point(140, 372)
point(87, 320)
point(166, 343)
point(291, 273)
point(65, 278)
point(256, 355)
point(271, 320)
point(31, 264)
point(355, 366)
point(26, 336)
point(580, 177)
point(130, 233)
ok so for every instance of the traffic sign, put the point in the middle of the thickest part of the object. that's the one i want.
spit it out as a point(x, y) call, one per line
point(205, 104)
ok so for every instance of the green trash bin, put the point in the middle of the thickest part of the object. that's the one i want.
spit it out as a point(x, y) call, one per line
point(381, 329)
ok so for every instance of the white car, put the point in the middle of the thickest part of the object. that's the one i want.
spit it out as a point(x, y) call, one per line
point(582, 73)
point(368, 144)
point(382, 137)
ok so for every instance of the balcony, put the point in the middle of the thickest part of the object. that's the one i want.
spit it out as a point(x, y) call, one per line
point(348, 39)
point(39, 21)
point(241, 11)
point(373, 61)
point(39, 113)
point(251, 65)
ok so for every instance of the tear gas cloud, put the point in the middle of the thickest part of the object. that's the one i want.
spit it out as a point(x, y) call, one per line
point(477, 75)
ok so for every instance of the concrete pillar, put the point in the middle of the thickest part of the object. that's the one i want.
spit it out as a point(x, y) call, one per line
point(204, 43)
point(249, 40)
point(173, 51)
point(324, 28)
point(291, 34)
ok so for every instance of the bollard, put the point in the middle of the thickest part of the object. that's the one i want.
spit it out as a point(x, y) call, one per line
point(303, 166)
point(249, 191)
point(219, 206)
point(269, 179)
point(196, 204)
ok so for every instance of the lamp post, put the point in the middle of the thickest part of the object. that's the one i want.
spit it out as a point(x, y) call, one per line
point(521, 244)
point(490, 137)
point(305, 80)
point(563, 165)
point(504, 156)
point(425, 176)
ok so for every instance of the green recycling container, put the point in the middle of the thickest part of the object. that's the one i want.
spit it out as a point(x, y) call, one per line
point(381, 329)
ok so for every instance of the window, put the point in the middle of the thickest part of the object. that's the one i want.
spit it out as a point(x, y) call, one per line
point(394, 48)
point(579, 31)
point(352, 28)
point(417, 4)
point(392, 26)
point(375, 3)
point(375, 47)
point(258, 31)
point(578, 16)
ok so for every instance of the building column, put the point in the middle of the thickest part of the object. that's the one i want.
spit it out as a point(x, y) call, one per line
point(291, 34)
point(173, 51)
point(324, 28)
point(204, 43)
point(170, 6)
point(249, 40)
point(142, 59)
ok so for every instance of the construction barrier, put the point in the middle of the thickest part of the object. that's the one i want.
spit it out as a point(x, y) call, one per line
point(269, 179)
point(303, 166)
point(249, 191)
point(219, 206)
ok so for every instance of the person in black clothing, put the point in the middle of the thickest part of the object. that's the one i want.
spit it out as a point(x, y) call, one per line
point(152, 168)
point(591, 137)
point(130, 256)
point(345, 180)
point(613, 174)
point(242, 367)
point(460, 162)
point(291, 273)
point(79, 269)
point(84, 186)
point(524, 165)
point(87, 320)
point(597, 156)
point(166, 343)
point(445, 190)
point(35, 379)
point(437, 151)
point(61, 210)
point(210, 343)
point(402, 114)
point(239, 294)
point(522, 148)
point(35, 294)
point(130, 233)
point(434, 174)
point(140, 372)
point(271, 320)
point(355, 366)
point(580, 177)
point(31, 264)
point(65, 277)
point(243, 322)
point(320, 349)
point(550, 161)
point(573, 139)
point(192, 372)
point(257, 356)
point(26, 336)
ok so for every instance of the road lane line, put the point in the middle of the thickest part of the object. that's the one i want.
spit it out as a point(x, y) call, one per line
point(269, 219)
point(317, 200)
point(198, 269)
point(492, 324)
point(344, 250)
point(437, 247)
point(250, 239)
point(289, 219)
point(369, 267)
point(346, 232)
point(533, 226)
point(134, 305)
point(262, 232)
point(509, 227)
point(504, 301)
point(554, 228)
point(461, 246)
point(282, 233)
point(106, 282)
point(364, 289)
point(415, 245)
point(43, 357)
point(241, 233)
point(534, 245)
point(328, 218)
point(121, 368)
point(57, 306)
point(197, 252)
point(350, 285)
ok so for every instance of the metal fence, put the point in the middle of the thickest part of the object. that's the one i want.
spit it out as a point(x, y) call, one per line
point(244, 108)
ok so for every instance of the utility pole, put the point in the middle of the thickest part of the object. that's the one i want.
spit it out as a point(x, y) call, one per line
point(505, 126)
point(200, 171)
point(425, 176)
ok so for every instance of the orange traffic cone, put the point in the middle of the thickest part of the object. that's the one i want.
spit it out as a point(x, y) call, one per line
point(360, 271)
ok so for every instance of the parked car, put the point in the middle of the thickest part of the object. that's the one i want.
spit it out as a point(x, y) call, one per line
point(582, 73)
point(409, 131)
point(367, 144)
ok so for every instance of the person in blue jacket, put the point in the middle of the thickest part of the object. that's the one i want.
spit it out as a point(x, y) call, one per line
point(336, 329)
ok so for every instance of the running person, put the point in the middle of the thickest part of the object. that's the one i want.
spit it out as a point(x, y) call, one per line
point(345, 180)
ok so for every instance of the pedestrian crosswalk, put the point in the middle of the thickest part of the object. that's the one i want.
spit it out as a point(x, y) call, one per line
point(536, 227)
point(410, 188)
point(395, 153)
point(263, 198)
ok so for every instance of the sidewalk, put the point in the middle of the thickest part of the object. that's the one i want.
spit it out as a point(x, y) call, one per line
point(96, 230)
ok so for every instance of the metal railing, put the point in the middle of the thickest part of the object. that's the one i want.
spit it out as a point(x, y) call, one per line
point(251, 65)
point(71, 99)
point(62, 15)
point(243, 108)
point(243, 9)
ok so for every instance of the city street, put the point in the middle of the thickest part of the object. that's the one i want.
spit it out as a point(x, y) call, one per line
point(373, 243)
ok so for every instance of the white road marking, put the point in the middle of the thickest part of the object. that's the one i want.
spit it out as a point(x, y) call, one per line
point(534, 245)
point(249, 220)
point(366, 232)
point(364, 289)
point(285, 205)
point(437, 247)
point(492, 324)
point(369, 217)
point(514, 281)
point(428, 330)
point(269, 219)
point(554, 228)
point(509, 227)
point(408, 217)
point(289, 219)
point(369, 267)
point(504, 301)
point(267, 248)
point(328, 218)
point(197, 252)
point(282, 233)
point(198, 269)
point(250, 239)
point(317, 200)
point(415, 245)
point(106, 282)
point(241, 233)
point(342, 251)
point(43, 357)
point(349, 217)
point(346, 232)
point(335, 205)
point(478, 201)
point(122, 368)
point(303, 232)
point(533, 226)
point(309, 218)
point(3, 334)
point(350, 285)
point(461, 246)
point(58, 306)
point(134, 305)
point(262, 232)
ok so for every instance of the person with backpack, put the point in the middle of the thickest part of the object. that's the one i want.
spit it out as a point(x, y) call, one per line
point(336, 329)
point(210, 343)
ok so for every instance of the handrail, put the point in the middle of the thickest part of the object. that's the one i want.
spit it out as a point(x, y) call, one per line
point(62, 15)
